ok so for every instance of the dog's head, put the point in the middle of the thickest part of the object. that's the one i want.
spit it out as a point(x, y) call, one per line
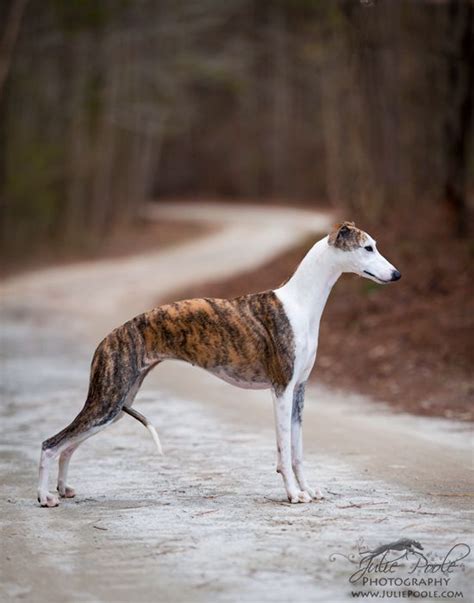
point(357, 252)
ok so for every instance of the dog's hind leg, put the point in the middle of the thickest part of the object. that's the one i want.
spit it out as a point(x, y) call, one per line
point(65, 491)
point(63, 445)
point(114, 380)
point(46, 498)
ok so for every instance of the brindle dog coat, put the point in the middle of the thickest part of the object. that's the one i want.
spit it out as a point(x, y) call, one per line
point(247, 341)
point(263, 340)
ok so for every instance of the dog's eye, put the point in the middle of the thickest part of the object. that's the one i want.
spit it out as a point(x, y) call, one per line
point(368, 248)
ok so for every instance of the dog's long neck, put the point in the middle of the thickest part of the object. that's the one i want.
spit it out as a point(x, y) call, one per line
point(311, 284)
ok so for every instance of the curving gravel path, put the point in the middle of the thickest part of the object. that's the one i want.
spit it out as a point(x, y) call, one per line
point(208, 521)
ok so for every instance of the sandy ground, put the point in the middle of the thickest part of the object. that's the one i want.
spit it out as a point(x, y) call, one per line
point(208, 521)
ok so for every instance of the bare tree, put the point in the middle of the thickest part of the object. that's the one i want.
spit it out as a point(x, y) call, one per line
point(10, 35)
point(459, 107)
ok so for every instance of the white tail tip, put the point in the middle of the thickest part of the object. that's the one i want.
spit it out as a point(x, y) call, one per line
point(155, 437)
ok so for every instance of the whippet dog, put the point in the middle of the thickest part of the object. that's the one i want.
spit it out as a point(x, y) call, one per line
point(264, 340)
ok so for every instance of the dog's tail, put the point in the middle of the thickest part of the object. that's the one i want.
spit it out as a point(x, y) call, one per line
point(139, 417)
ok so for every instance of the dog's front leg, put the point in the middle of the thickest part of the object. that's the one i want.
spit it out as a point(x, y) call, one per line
point(283, 404)
point(297, 441)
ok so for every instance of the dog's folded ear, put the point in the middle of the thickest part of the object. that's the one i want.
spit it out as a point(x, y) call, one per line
point(340, 233)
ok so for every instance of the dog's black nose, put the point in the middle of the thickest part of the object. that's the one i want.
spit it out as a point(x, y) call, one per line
point(396, 276)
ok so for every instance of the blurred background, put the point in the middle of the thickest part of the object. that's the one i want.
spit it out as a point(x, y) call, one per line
point(361, 107)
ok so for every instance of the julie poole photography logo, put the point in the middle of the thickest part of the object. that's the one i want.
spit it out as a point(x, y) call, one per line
point(406, 569)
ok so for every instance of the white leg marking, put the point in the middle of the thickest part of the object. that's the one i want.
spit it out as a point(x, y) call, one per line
point(297, 442)
point(64, 490)
point(297, 461)
point(45, 498)
point(282, 408)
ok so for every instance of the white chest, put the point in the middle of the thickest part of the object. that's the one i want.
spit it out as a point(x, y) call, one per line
point(305, 333)
point(306, 346)
point(303, 297)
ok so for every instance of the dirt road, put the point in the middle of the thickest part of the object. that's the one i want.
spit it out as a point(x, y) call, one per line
point(208, 521)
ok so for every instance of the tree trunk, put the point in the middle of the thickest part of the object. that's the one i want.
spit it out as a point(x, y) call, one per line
point(460, 97)
point(10, 35)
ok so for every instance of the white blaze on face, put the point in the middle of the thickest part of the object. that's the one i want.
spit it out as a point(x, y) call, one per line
point(356, 251)
point(367, 261)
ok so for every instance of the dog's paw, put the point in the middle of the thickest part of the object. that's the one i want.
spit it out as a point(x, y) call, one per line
point(300, 496)
point(315, 494)
point(66, 491)
point(46, 499)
